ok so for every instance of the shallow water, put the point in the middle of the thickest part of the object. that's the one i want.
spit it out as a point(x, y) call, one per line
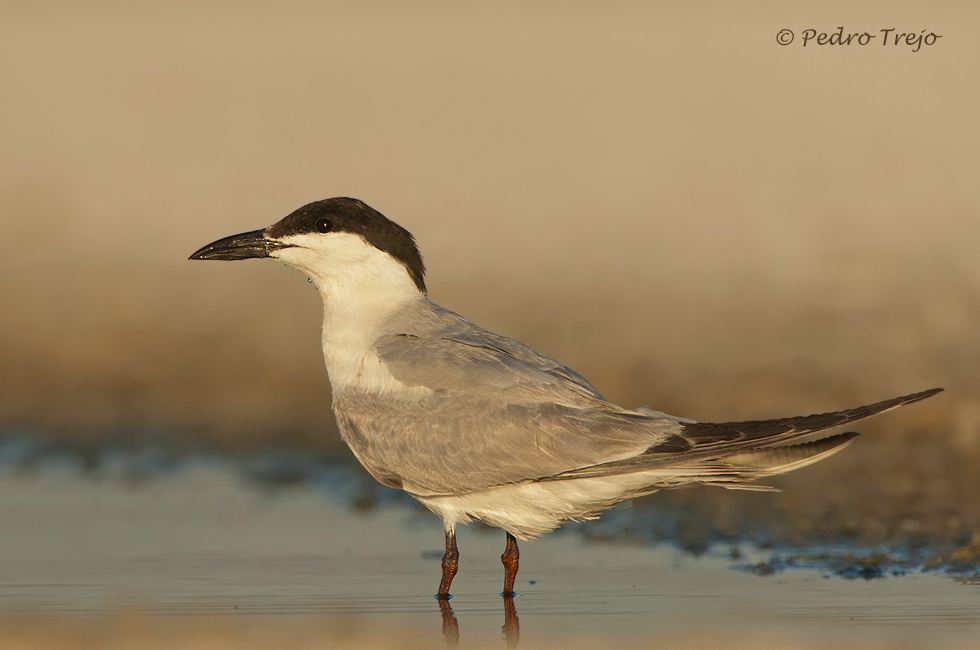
point(202, 541)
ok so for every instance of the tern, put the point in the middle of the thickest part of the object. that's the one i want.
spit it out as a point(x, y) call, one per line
point(478, 426)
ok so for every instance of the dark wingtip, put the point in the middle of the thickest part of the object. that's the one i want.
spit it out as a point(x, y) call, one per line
point(846, 437)
point(918, 397)
point(829, 442)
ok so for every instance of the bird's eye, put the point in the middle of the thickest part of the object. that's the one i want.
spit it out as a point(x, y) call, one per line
point(324, 225)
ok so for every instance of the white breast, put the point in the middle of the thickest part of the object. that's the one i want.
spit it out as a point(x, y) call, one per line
point(361, 287)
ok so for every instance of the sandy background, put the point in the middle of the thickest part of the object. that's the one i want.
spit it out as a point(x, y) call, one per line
point(663, 197)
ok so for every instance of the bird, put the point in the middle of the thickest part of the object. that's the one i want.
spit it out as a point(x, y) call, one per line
point(477, 426)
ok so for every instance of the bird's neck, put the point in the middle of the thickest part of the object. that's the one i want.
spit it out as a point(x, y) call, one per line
point(356, 312)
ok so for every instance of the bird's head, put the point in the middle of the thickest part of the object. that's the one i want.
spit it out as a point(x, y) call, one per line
point(340, 243)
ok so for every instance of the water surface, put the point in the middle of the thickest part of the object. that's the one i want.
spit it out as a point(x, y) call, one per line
point(203, 542)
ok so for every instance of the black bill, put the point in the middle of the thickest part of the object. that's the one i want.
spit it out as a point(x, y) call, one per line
point(240, 247)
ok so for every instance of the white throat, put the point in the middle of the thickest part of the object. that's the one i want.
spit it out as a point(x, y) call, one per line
point(361, 287)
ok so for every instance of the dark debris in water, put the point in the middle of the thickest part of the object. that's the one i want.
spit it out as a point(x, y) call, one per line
point(963, 563)
point(775, 565)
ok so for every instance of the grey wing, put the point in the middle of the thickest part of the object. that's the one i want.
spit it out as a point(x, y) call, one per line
point(490, 412)
point(491, 416)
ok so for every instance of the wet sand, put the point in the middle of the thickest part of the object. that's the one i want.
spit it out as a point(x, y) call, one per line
point(203, 559)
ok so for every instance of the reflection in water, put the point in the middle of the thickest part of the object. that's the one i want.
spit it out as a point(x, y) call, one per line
point(512, 626)
point(450, 626)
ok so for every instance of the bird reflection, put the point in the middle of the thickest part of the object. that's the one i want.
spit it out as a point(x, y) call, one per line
point(450, 626)
point(512, 626)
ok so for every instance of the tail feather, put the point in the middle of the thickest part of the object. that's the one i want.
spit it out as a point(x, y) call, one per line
point(732, 471)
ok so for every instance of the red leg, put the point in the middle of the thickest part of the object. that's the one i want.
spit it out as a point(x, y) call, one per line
point(510, 559)
point(450, 563)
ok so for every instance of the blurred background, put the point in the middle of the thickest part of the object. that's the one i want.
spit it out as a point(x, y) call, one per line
point(660, 195)
point(691, 215)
